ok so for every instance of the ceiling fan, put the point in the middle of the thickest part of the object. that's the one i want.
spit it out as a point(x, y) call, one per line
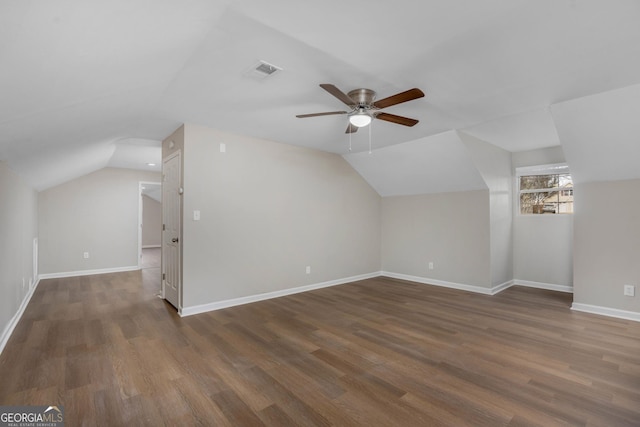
point(364, 108)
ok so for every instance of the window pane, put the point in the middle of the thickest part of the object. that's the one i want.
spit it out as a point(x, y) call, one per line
point(546, 194)
point(565, 181)
point(565, 196)
point(539, 203)
point(534, 182)
point(565, 207)
point(546, 202)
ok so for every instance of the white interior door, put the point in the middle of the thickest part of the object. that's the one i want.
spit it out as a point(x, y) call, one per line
point(171, 238)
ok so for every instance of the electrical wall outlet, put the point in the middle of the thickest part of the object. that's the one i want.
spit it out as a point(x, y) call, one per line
point(308, 269)
point(85, 255)
point(630, 290)
point(430, 266)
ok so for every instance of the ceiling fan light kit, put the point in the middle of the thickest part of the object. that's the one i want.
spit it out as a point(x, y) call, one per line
point(360, 119)
point(364, 108)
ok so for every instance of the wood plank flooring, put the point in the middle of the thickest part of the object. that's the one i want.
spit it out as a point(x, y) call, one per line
point(378, 352)
point(151, 258)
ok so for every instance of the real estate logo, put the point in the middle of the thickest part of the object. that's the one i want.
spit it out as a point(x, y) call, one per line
point(31, 416)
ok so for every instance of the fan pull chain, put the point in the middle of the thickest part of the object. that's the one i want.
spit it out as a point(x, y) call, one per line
point(349, 137)
point(370, 126)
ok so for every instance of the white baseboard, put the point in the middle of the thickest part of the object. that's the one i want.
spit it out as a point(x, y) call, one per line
point(88, 272)
point(540, 285)
point(8, 330)
point(218, 305)
point(151, 246)
point(501, 287)
point(463, 287)
point(606, 311)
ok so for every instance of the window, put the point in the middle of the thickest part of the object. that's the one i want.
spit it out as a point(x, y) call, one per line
point(545, 190)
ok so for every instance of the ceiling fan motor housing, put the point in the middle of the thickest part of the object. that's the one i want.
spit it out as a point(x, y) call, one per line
point(363, 97)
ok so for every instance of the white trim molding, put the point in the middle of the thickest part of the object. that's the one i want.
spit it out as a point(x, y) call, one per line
point(501, 287)
point(540, 285)
point(88, 272)
point(8, 330)
point(606, 311)
point(460, 286)
point(218, 305)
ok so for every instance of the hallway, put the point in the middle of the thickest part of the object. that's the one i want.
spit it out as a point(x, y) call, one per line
point(151, 258)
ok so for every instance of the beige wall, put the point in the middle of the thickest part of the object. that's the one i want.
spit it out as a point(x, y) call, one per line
point(449, 229)
point(18, 228)
point(173, 142)
point(151, 222)
point(543, 249)
point(268, 210)
point(96, 213)
point(607, 244)
point(494, 164)
point(542, 244)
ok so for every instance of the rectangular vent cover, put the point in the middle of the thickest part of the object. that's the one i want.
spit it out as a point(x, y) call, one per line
point(262, 69)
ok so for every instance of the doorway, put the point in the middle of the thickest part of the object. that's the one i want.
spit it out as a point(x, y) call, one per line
point(150, 225)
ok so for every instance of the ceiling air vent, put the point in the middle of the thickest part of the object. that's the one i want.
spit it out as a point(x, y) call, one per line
point(262, 69)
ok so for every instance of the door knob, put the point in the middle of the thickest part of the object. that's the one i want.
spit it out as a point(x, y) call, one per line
point(174, 240)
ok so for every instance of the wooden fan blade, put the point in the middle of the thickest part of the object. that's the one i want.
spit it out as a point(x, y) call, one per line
point(338, 94)
point(406, 121)
point(399, 98)
point(328, 113)
point(351, 129)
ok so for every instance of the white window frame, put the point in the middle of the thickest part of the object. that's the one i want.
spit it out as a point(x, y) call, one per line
point(550, 169)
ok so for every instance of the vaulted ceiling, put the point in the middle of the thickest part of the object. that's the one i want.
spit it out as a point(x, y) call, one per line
point(90, 84)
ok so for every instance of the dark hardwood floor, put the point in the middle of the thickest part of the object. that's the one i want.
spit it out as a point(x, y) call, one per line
point(151, 258)
point(379, 352)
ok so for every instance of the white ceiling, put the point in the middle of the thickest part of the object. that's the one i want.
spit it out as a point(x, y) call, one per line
point(137, 153)
point(519, 132)
point(86, 84)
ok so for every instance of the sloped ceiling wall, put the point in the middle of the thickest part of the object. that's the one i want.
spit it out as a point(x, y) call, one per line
point(434, 164)
point(600, 135)
point(77, 77)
